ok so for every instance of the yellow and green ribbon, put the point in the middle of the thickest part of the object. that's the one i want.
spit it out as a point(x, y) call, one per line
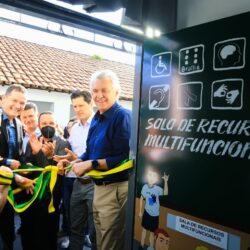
point(125, 165)
point(47, 178)
point(6, 178)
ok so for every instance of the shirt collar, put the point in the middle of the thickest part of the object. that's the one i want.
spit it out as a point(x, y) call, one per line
point(90, 119)
point(38, 132)
point(88, 122)
point(109, 112)
point(5, 117)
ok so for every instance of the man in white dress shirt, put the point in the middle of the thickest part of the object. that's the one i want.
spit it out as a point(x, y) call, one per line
point(79, 191)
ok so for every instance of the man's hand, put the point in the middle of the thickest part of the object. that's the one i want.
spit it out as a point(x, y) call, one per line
point(15, 164)
point(70, 156)
point(36, 145)
point(24, 183)
point(63, 164)
point(3, 188)
point(48, 149)
point(5, 169)
point(81, 167)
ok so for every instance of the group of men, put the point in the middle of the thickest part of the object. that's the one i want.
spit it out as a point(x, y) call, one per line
point(97, 141)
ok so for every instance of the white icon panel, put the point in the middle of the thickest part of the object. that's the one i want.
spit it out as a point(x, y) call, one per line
point(191, 59)
point(159, 97)
point(161, 64)
point(189, 95)
point(227, 94)
point(229, 54)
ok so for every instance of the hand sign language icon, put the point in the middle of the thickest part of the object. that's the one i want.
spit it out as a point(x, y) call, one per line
point(227, 94)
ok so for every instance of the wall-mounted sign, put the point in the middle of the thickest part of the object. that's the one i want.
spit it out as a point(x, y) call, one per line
point(194, 139)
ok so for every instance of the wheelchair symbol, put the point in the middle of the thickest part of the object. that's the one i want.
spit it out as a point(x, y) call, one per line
point(160, 67)
point(161, 64)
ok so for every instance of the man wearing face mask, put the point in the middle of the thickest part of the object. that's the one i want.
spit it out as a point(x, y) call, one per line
point(40, 152)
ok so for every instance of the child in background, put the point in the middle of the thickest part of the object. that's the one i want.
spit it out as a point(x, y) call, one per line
point(150, 193)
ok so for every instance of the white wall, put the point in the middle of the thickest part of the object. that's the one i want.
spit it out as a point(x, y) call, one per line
point(194, 12)
point(126, 104)
point(61, 103)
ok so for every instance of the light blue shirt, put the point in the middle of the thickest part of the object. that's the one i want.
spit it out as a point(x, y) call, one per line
point(27, 137)
point(151, 195)
point(12, 140)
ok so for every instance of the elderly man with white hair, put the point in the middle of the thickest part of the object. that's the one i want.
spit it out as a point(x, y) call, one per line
point(107, 146)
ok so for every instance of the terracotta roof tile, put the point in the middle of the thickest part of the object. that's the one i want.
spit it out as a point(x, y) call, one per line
point(38, 66)
point(3, 78)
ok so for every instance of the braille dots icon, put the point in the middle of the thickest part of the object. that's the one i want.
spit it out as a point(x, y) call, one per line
point(191, 59)
point(196, 50)
point(191, 56)
point(186, 57)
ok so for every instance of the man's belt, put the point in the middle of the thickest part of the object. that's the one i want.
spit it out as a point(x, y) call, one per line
point(84, 181)
point(107, 182)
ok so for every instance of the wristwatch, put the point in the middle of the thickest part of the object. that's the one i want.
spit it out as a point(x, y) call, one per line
point(95, 164)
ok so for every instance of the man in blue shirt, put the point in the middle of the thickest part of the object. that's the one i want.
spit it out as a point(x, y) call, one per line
point(11, 154)
point(107, 146)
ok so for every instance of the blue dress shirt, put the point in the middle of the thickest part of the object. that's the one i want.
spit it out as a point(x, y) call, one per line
point(109, 136)
point(11, 130)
